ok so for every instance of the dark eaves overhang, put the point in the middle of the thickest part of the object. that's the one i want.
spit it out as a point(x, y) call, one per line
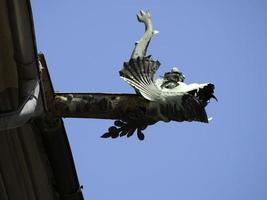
point(31, 101)
point(25, 55)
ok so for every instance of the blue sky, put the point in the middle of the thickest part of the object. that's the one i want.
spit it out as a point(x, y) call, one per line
point(223, 42)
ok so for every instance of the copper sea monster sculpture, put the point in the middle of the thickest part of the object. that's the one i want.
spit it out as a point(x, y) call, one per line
point(170, 97)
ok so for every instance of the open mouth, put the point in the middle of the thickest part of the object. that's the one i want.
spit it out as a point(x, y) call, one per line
point(204, 94)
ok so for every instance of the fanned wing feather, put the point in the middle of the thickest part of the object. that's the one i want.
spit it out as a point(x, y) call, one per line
point(139, 73)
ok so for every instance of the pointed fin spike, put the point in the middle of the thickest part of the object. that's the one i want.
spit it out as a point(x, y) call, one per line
point(155, 32)
point(214, 97)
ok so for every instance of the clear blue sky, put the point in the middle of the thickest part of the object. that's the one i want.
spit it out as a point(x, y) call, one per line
point(223, 42)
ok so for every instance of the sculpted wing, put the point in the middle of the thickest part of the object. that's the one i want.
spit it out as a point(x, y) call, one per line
point(139, 73)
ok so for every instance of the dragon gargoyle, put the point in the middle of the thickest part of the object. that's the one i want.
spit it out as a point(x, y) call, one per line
point(170, 98)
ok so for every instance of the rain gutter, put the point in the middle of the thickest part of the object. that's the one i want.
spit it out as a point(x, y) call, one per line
point(25, 55)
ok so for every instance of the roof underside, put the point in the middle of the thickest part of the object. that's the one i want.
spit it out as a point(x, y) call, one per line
point(36, 160)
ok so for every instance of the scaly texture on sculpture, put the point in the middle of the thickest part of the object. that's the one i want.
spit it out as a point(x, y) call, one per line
point(170, 97)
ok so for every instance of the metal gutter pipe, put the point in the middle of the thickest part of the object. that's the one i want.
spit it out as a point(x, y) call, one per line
point(25, 55)
point(24, 113)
